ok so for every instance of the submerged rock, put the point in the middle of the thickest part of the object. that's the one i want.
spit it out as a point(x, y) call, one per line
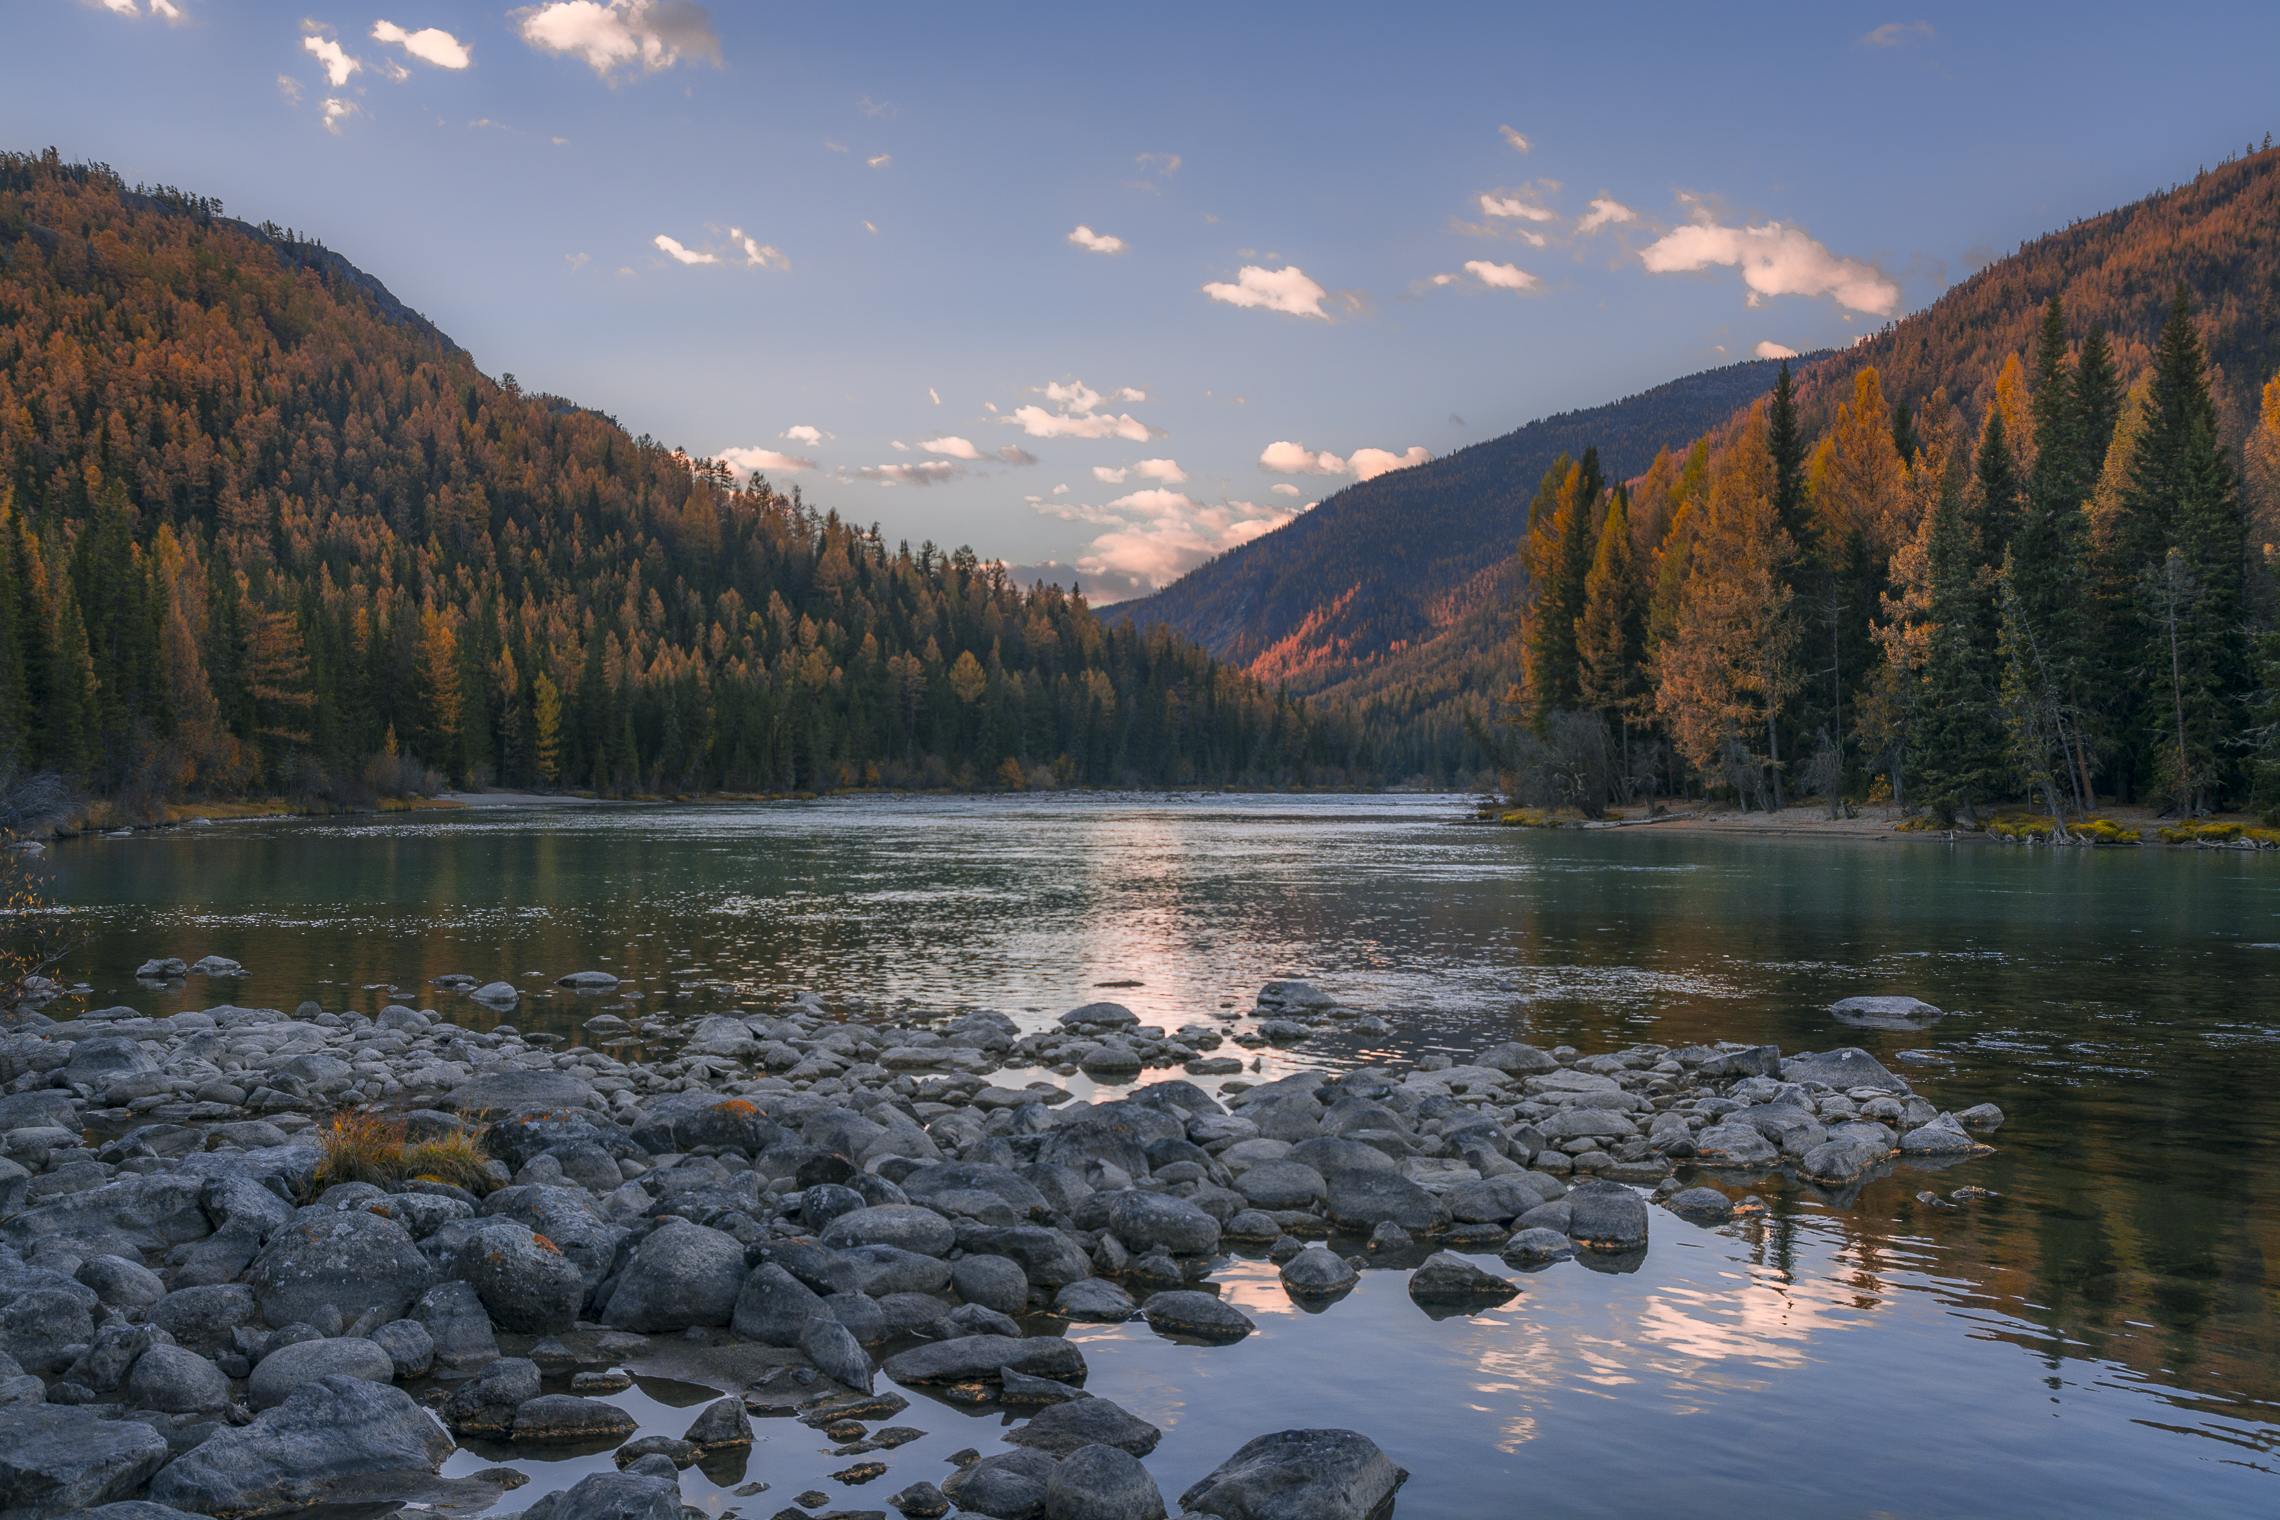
point(1200, 1315)
point(1299, 1475)
point(1102, 1482)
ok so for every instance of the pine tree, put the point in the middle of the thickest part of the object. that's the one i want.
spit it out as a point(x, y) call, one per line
point(1785, 440)
point(1611, 634)
point(1995, 484)
point(1959, 746)
point(2097, 402)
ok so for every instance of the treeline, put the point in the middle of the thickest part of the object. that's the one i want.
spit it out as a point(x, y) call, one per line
point(2069, 599)
point(262, 530)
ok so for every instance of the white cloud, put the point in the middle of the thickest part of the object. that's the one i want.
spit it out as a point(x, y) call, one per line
point(1078, 416)
point(338, 65)
point(1444, 279)
point(802, 433)
point(166, 9)
point(1501, 276)
point(1286, 458)
point(1285, 488)
point(757, 254)
point(1061, 490)
point(1107, 476)
point(1163, 164)
point(899, 446)
point(1898, 34)
point(1513, 206)
point(1604, 211)
point(934, 395)
point(1015, 455)
point(1285, 290)
point(1164, 470)
point(290, 88)
point(766, 461)
point(1369, 464)
point(338, 111)
point(429, 45)
point(610, 34)
point(1096, 242)
point(121, 7)
point(956, 448)
point(1768, 349)
point(1155, 536)
point(1519, 144)
point(931, 472)
point(880, 161)
point(1775, 261)
point(674, 250)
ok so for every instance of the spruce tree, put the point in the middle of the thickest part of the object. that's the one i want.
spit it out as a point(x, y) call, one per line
point(1959, 745)
point(1785, 440)
point(2097, 403)
point(1997, 478)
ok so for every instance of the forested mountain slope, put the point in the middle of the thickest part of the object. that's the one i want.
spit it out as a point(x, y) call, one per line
point(264, 529)
point(1393, 561)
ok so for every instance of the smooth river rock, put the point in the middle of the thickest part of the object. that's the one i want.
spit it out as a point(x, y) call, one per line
point(335, 1433)
point(1299, 1475)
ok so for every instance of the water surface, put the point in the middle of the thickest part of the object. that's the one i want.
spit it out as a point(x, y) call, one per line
point(2102, 1338)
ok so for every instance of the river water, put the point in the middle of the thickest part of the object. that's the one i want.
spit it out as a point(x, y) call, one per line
point(2101, 1338)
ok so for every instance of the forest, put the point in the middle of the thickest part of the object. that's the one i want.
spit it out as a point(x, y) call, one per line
point(2065, 599)
point(265, 532)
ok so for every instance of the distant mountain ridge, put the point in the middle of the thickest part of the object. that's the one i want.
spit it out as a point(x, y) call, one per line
point(1390, 563)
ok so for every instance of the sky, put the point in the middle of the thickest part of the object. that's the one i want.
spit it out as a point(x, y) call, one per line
point(1104, 291)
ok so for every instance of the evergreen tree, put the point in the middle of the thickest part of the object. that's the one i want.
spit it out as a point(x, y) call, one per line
point(1996, 482)
point(1785, 440)
point(2097, 402)
point(1959, 747)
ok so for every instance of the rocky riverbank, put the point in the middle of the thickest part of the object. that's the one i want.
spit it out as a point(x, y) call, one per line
point(806, 1208)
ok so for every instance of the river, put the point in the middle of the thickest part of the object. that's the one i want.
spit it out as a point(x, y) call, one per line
point(2101, 1338)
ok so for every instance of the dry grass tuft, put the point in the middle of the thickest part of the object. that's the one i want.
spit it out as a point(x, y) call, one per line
point(361, 1147)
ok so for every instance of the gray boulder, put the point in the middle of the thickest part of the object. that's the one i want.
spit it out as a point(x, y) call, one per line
point(1606, 1216)
point(1281, 1185)
point(121, 1283)
point(57, 1461)
point(1101, 1482)
point(1144, 1221)
point(723, 1424)
point(333, 1433)
point(557, 1419)
point(1361, 1200)
point(1094, 1299)
point(773, 1307)
point(1841, 1161)
point(173, 1380)
point(995, 1282)
point(906, 1227)
point(1446, 1278)
point(1300, 1475)
point(1942, 1137)
point(1008, 1486)
point(458, 1326)
point(288, 1367)
point(1537, 1246)
point(1021, 1195)
point(1734, 1145)
point(1492, 1200)
point(1202, 1316)
point(682, 1275)
point(525, 1282)
point(982, 1358)
point(409, 1346)
point(1703, 1205)
point(836, 1353)
point(1515, 1059)
point(1098, 1016)
point(44, 1328)
point(1885, 1012)
point(205, 1316)
point(570, 1217)
point(1983, 1118)
point(354, 1261)
point(1331, 1154)
point(612, 1496)
point(485, 1404)
point(1064, 1427)
point(1317, 1273)
point(1844, 1068)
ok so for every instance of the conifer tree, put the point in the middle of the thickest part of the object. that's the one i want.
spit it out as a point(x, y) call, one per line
point(1959, 746)
point(1785, 441)
point(1611, 634)
point(1995, 484)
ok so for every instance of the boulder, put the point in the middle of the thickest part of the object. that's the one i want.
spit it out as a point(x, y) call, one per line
point(409, 1346)
point(1101, 1482)
point(1844, 1069)
point(773, 1307)
point(174, 1380)
point(330, 1434)
point(287, 1368)
point(1095, 1300)
point(1755, 1061)
point(485, 1404)
point(1586, 1123)
point(1281, 1185)
point(1942, 1137)
point(1702, 1205)
point(612, 1496)
point(682, 1275)
point(458, 1326)
point(996, 1282)
point(1983, 1118)
point(351, 1260)
point(1360, 1199)
point(1317, 1273)
point(1606, 1216)
point(1020, 1194)
point(906, 1227)
point(1841, 1161)
point(980, 1358)
point(1537, 1246)
point(1020, 1390)
point(588, 981)
point(683, 1121)
point(44, 1328)
point(1098, 1016)
point(1515, 1059)
point(497, 994)
point(1330, 1154)
point(1146, 1221)
point(571, 1217)
point(557, 1419)
point(1447, 1278)
point(58, 1461)
point(1201, 1316)
point(1008, 1486)
point(497, 1093)
point(836, 1353)
point(1734, 1145)
point(205, 1316)
point(1063, 1427)
point(1299, 1475)
point(1885, 1012)
point(1492, 1200)
point(525, 1282)
point(723, 1424)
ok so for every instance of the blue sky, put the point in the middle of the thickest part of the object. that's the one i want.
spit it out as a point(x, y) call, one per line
point(1111, 289)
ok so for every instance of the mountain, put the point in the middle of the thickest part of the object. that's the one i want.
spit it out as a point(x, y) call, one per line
point(1394, 562)
point(263, 529)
